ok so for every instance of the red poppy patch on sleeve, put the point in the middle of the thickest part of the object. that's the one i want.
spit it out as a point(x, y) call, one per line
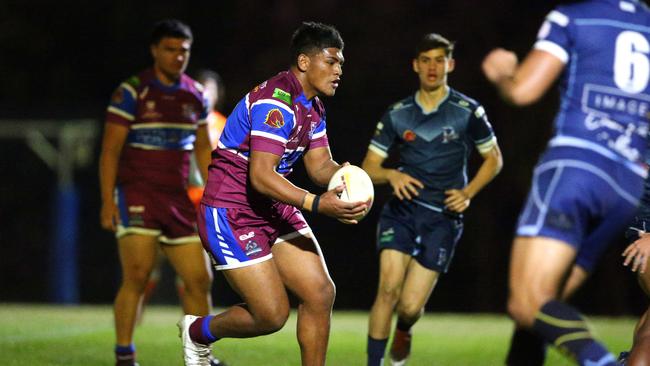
point(274, 118)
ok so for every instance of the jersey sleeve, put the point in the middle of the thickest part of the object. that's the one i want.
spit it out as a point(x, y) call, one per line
point(480, 131)
point(123, 105)
point(271, 125)
point(554, 37)
point(319, 136)
point(384, 136)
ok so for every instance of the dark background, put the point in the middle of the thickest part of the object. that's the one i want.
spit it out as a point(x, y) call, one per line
point(61, 60)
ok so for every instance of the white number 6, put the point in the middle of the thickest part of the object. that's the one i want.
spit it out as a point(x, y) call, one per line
point(631, 65)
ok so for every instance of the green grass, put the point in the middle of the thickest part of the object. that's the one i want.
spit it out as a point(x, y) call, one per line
point(83, 335)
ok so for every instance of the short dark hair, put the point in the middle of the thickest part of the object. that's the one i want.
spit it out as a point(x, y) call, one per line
point(432, 41)
point(312, 36)
point(206, 74)
point(170, 28)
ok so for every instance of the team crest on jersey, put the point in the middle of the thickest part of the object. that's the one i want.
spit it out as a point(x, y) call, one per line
point(274, 118)
point(448, 134)
point(189, 112)
point(150, 110)
point(409, 136)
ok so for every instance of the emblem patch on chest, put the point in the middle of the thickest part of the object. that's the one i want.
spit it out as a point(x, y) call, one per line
point(448, 134)
point(409, 136)
point(274, 118)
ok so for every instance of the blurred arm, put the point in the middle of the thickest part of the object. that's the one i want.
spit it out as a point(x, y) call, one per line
point(202, 150)
point(525, 83)
point(112, 143)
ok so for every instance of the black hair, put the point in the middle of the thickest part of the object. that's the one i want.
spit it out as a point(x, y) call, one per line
point(311, 37)
point(207, 74)
point(170, 28)
point(432, 41)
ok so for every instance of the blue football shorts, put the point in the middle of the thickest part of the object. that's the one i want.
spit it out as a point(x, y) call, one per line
point(581, 198)
point(430, 237)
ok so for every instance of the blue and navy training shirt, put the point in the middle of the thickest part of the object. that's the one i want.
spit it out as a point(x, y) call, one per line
point(434, 147)
point(605, 86)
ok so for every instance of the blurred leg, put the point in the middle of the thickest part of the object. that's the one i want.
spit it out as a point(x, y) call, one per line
point(190, 263)
point(137, 256)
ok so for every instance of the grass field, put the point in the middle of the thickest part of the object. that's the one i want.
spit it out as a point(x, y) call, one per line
point(83, 335)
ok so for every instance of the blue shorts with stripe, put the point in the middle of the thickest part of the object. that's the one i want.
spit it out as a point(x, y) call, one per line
point(425, 234)
point(581, 198)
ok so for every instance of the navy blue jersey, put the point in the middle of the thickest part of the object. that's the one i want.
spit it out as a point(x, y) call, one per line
point(434, 146)
point(605, 86)
point(644, 207)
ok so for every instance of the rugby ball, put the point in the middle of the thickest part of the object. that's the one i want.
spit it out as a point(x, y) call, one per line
point(357, 186)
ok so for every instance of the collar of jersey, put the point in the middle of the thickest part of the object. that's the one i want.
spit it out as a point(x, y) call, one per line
point(167, 88)
point(444, 99)
point(298, 87)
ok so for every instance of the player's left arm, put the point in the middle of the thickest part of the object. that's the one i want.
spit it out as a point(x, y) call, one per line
point(458, 200)
point(319, 165)
point(203, 149)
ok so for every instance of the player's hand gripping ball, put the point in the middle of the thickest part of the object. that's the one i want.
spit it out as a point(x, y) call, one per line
point(357, 186)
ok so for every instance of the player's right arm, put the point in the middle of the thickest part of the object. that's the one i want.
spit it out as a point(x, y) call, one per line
point(525, 83)
point(267, 181)
point(404, 186)
point(119, 115)
point(112, 143)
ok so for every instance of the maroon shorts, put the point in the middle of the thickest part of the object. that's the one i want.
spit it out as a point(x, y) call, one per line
point(145, 210)
point(241, 237)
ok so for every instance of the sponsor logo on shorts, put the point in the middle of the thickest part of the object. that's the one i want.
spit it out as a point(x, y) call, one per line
point(559, 220)
point(387, 235)
point(274, 118)
point(442, 256)
point(252, 248)
point(250, 235)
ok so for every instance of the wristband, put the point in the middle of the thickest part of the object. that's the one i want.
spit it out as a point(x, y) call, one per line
point(314, 205)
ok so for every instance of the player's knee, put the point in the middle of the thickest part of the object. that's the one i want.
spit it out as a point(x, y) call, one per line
point(136, 278)
point(523, 310)
point(389, 293)
point(200, 283)
point(271, 320)
point(409, 311)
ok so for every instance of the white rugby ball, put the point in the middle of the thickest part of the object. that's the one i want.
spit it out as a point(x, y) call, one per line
point(357, 186)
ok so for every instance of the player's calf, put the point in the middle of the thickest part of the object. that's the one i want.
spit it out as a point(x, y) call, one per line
point(562, 326)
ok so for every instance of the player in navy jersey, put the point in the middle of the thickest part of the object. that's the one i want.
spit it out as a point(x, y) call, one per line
point(587, 184)
point(250, 220)
point(434, 130)
point(154, 121)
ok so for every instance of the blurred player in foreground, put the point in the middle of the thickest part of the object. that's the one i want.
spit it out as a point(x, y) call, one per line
point(250, 220)
point(587, 184)
point(435, 130)
point(154, 121)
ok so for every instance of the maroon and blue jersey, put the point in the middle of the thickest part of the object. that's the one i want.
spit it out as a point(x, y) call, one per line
point(275, 117)
point(162, 122)
point(605, 87)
